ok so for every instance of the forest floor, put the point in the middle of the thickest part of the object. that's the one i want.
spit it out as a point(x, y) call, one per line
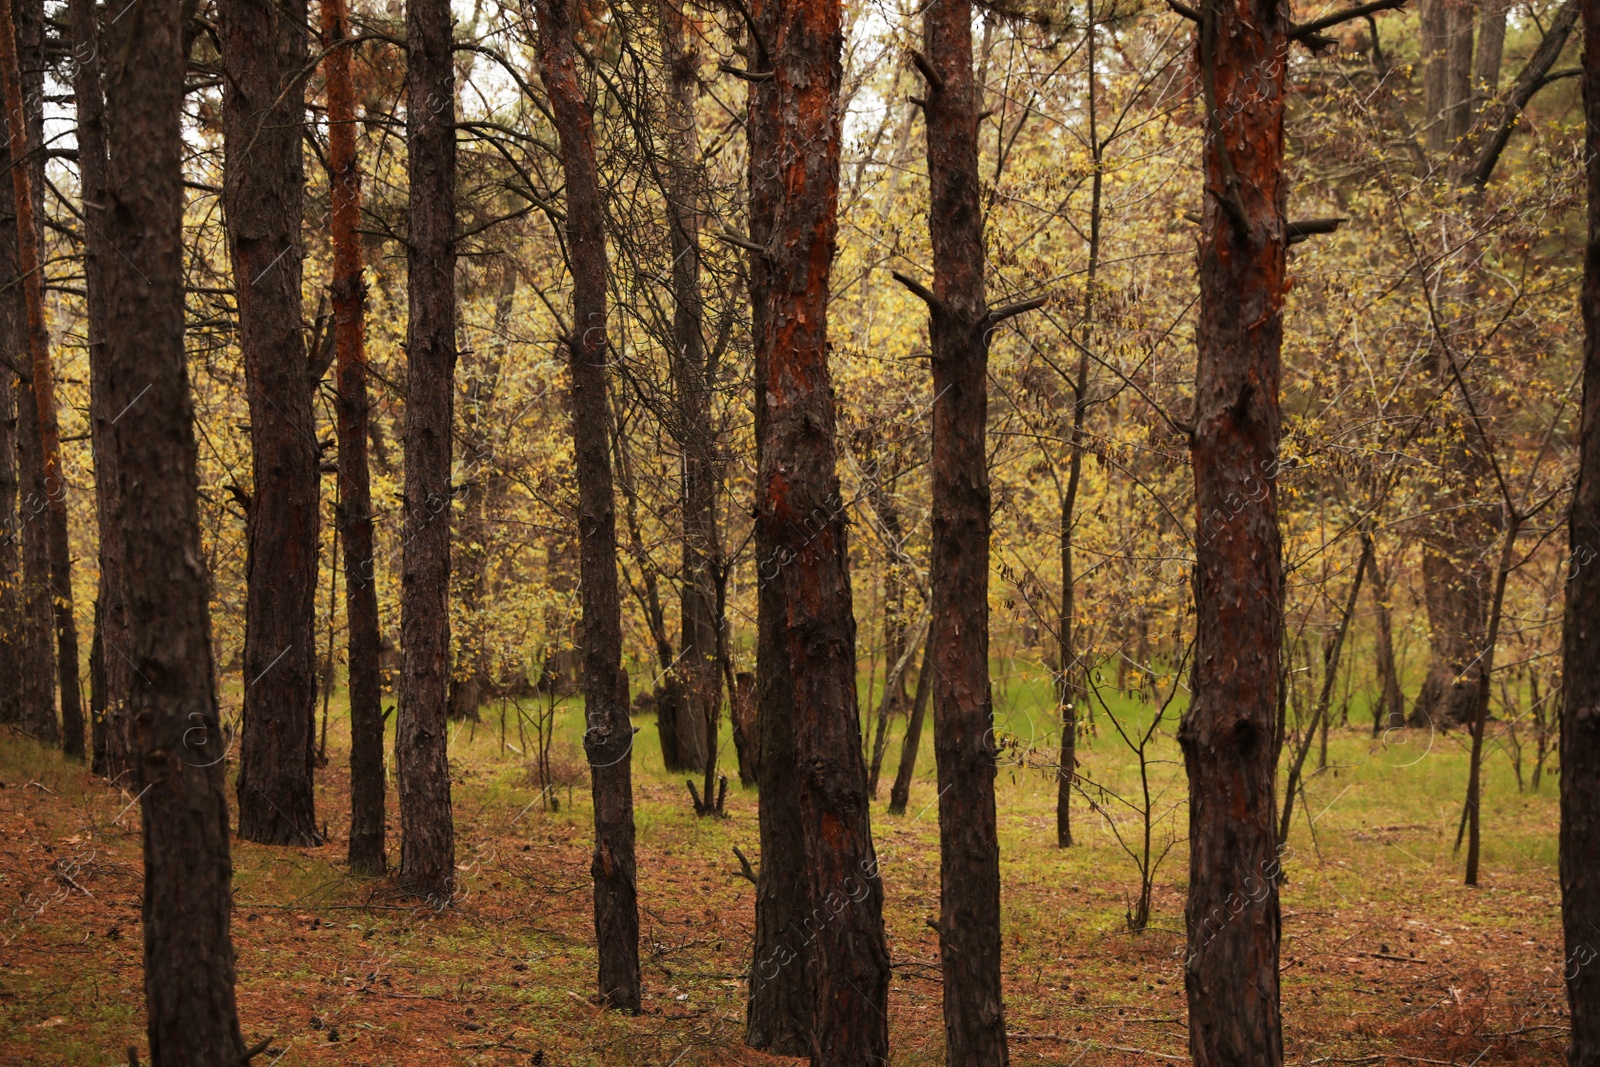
point(1387, 957)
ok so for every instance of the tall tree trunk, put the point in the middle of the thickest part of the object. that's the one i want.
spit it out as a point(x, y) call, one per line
point(366, 849)
point(900, 793)
point(427, 832)
point(178, 742)
point(960, 323)
point(807, 640)
point(1580, 695)
point(1228, 730)
point(30, 265)
point(779, 1019)
point(1070, 690)
point(263, 48)
point(1480, 718)
point(697, 732)
point(608, 733)
point(470, 681)
point(39, 674)
point(15, 626)
point(110, 676)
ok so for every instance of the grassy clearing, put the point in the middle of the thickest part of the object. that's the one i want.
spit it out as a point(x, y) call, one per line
point(1386, 956)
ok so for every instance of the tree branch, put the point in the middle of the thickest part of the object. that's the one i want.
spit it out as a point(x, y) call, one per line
point(931, 76)
point(1310, 33)
point(1535, 76)
point(917, 287)
point(1011, 311)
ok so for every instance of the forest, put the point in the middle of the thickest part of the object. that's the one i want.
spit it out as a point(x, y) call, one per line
point(974, 531)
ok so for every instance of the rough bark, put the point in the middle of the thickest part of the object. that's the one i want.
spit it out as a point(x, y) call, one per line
point(109, 673)
point(608, 733)
point(427, 832)
point(963, 712)
point(692, 373)
point(780, 1014)
point(178, 742)
point(366, 848)
point(807, 640)
point(1228, 731)
point(1580, 698)
point(900, 793)
point(263, 50)
point(25, 133)
point(39, 674)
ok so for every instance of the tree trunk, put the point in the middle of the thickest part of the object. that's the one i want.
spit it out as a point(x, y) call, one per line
point(608, 736)
point(1580, 697)
point(16, 666)
point(1390, 711)
point(178, 742)
point(743, 705)
point(30, 264)
point(692, 374)
point(109, 675)
point(1455, 592)
point(1490, 51)
point(900, 794)
point(366, 849)
point(469, 681)
point(1446, 44)
point(963, 712)
point(1070, 689)
point(427, 832)
point(39, 676)
point(806, 647)
point(780, 1014)
point(1228, 730)
point(263, 49)
point(1480, 717)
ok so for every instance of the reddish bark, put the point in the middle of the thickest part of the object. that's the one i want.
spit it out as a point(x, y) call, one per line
point(179, 746)
point(54, 504)
point(608, 737)
point(807, 646)
point(355, 485)
point(1228, 731)
point(422, 769)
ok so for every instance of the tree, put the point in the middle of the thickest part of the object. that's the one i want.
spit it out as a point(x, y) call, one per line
point(427, 833)
point(15, 625)
point(608, 734)
point(355, 484)
point(178, 742)
point(263, 48)
point(806, 647)
point(1227, 732)
point(42, 383)
point(1580, 701)
point(109, 673)
point(960, 325)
